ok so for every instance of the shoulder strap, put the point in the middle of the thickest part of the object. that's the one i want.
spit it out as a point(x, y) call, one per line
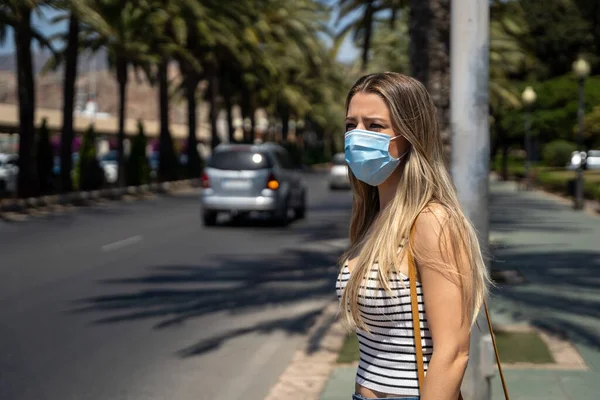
point(412, 277)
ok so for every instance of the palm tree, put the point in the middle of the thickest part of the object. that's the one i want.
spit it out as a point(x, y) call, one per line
point(429, 30)
point(16, 14)
point(78, 10)
point(390, 46)
point(362, 26)
point(295, 46)
point(508, 57)
point(123, 32)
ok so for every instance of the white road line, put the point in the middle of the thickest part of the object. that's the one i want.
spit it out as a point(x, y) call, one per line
point(122, 243)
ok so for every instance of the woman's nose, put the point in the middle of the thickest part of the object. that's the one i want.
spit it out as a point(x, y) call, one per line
point(360, 125)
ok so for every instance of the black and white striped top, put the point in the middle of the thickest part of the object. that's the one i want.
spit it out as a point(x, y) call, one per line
point(387, 353)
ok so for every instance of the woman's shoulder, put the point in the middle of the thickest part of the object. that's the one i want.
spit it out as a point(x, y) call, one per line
point(433, 217)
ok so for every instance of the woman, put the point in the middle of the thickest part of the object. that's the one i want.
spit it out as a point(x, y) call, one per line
point(405, 207)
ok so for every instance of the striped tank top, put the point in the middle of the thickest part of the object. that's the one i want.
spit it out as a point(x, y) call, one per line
point(387, 353)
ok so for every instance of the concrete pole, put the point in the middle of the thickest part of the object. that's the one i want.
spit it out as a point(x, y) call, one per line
point(469, 66)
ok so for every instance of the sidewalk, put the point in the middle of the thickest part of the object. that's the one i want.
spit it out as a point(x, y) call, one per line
point(557, 251)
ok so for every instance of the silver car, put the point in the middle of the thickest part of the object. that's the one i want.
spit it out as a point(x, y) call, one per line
point(241, 179)
point(9, 170)
point(338, 175)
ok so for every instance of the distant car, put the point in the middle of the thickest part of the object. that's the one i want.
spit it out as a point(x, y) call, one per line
point(240, 179)
point(590, 160)
point(110, 166)
point(153, 162)
point(338, 175)
point(9, 171)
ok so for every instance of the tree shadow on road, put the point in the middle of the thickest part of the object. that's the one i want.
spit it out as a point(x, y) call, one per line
point(509, 213)
point(169, 295)
point(561, 291)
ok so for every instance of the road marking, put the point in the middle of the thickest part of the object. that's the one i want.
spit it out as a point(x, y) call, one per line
point(122, 243)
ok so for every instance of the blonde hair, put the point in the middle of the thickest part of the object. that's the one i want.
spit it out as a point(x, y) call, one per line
point(425, 186)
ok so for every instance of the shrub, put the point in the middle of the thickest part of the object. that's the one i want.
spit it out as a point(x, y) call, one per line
point(88, 171)
point(45, 159)
point(168, 163)
point(138, 169)
point(558, 153)
point(195, 164)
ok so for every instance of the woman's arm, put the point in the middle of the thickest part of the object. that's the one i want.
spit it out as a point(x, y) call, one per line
point(443, 298)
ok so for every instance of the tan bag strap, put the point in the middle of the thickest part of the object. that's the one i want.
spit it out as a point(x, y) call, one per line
point(414, 300)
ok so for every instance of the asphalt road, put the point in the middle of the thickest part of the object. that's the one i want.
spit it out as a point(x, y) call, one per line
point(140, 301)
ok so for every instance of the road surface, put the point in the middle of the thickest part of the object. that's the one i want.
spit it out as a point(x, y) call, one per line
point(140, 301)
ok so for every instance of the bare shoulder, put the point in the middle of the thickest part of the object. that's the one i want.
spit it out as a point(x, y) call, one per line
point(431, 221)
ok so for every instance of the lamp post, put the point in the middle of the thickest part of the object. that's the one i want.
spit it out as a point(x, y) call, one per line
point(581, 69)
point(529, 97)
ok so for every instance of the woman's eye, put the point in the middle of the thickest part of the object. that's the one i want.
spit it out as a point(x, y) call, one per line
point(349, 127)
point(376, 126)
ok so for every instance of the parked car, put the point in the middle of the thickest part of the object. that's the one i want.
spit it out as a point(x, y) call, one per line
point(240, 179)
point(9, 171)
point(590, 159)
point(153, 162)
point(338, 175)
point(110, 166)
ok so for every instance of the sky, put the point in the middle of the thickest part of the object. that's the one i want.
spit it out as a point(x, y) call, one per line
point(42, 21)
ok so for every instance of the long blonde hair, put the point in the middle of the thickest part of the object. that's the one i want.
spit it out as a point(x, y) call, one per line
point(375, 235)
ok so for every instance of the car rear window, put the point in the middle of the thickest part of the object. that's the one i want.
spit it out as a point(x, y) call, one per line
point(339, 159)
point(239, 160)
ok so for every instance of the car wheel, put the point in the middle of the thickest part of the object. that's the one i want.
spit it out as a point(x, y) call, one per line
point(300, 212)
point(209, 218)
point(282, 216)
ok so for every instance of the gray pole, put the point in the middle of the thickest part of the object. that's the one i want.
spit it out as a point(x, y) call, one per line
point(579, 180)
point(469, 54)
point(527, 146)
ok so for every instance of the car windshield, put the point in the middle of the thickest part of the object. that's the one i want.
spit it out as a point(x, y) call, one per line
point(239, 160)
point(339, 159)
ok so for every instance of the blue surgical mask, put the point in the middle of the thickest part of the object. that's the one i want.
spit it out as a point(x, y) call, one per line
point(368, 156)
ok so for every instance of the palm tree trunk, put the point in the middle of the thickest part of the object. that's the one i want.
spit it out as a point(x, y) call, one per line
point(285, 123)
point(393, 17)
point(191, 85)
point(248, 111)
point(214, 113)
point(167, 164)
point(368, 33)
point(429, 32)
point(230, 127)
point(252, 124)
point(28, 184)
point(66, 143)
point(121, 66)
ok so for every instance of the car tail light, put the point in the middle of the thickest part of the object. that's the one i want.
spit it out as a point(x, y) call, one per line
point(272, 182)
point(205, 181)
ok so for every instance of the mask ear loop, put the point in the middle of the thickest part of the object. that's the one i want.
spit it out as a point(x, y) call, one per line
point(403, 154)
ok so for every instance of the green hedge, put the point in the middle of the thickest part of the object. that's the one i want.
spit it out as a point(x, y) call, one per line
point(558, 153)
point(561, 182)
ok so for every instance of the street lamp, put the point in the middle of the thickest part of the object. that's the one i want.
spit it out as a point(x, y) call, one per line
point(581, 69)
point(529, 97)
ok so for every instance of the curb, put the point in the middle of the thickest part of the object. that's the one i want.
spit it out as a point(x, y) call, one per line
point(17, 209)
point(308, 373)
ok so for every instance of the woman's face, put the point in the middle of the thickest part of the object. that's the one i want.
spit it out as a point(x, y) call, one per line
point(368, 111)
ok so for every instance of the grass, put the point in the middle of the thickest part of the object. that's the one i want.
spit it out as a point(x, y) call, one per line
point(526, 347)
point(349, 352)
point(514, 347)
